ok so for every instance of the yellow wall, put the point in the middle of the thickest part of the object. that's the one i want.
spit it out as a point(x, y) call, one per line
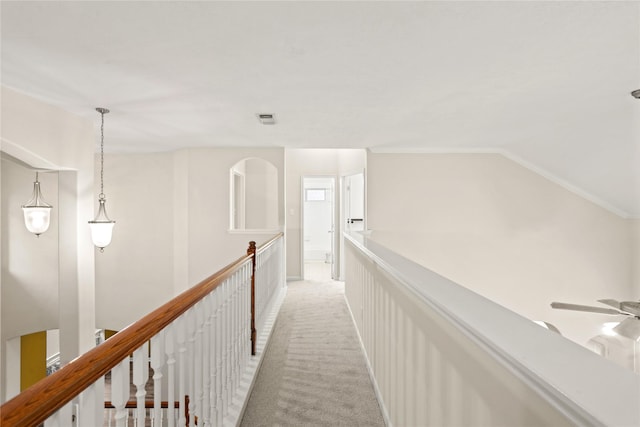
point(108, 333)
point(33, 358)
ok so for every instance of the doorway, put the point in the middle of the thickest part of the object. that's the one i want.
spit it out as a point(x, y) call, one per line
point(318, 225)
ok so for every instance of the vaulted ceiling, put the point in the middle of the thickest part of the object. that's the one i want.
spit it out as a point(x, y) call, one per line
point(546, 83)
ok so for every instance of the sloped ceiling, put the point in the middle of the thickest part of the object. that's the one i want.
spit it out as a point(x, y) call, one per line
point(546, 83)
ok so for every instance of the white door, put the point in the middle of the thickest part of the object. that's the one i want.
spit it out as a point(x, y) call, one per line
point(354, 199)
point(318, 227)
point(352, 214)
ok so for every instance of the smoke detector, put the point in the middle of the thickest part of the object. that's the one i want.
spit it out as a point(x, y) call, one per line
point(636, 93)
point(267, 119)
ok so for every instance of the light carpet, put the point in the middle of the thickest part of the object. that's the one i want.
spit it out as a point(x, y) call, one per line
point(313, 372)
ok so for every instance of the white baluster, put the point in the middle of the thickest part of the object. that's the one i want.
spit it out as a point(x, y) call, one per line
point(120, 391)
point(241, 320)
point(206, 361)
point(247, 312)
point(191, 338)
point(225, 340)
point(234, 330)
point(91, 405)
point(248, 303)
point(234, 336)
point(58, 418)
point(244, 305)
point(221, 349)
point(261, 284)
point(140, 377)
point(238, 330)
point(232, 349)
point(212, 357)
point(248, 315)
point(197, 373)
point(169, 349)
point(228, 345)
point(218, 355)
point(109, 418)
point(157, 362)
point(181, 341)
point(238, 344)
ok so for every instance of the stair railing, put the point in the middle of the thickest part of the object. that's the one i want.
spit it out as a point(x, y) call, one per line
point(198, 346)
point(440, 354)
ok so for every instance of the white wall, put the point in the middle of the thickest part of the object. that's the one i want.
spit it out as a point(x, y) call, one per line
point(309, 162)
point(211, 245)
point(351, 161)
point(44, 136)
point(635, 264)
point(172, 219)
point(503, 231)
point(134, 274)
point(261, 195)
point(301, 162)
point(29, 263)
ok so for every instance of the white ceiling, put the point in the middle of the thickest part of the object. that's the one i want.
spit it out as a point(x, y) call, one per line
point(547, 83)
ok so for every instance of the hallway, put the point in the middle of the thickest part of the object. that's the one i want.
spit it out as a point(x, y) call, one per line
point(313, 373)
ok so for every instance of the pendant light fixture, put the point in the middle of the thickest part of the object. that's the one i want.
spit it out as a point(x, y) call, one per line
point(101, 226)
point(37, 212)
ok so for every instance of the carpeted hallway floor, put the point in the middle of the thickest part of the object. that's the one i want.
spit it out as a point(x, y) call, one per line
point(313, 373)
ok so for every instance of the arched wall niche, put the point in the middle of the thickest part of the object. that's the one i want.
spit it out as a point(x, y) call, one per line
point(253, 203)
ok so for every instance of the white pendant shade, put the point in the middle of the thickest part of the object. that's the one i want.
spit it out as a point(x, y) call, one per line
point(37, 219)
point(101, 233)
point(37, 212)
point(101, 227)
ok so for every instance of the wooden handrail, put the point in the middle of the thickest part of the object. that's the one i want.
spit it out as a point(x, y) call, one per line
point(269, 242)
point(38, 402)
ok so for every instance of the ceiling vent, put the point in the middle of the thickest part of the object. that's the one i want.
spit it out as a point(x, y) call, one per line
point(267, 119)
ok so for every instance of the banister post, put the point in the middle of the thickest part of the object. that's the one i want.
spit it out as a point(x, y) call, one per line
point(252, 251)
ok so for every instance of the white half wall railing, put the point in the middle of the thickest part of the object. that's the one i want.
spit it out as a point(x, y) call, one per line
point(187, 363)
point(442, 355)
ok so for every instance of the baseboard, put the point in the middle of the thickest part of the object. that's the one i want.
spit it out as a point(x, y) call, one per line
point(294, 279)
point(376, 389)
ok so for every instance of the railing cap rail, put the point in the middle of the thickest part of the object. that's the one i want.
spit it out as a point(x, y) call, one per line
point(583, 385)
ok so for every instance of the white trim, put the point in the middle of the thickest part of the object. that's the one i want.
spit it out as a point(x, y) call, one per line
point(29, 158)
point(255, 231)
point(522, 162)
point(376, 389)
point(568, 186)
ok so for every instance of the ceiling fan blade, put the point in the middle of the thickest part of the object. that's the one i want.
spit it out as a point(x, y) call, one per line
point(611, 302)
point(631, 307)
point(591, 309)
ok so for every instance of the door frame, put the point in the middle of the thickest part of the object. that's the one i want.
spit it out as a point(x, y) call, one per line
point(336, 228)
point(343, 214)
